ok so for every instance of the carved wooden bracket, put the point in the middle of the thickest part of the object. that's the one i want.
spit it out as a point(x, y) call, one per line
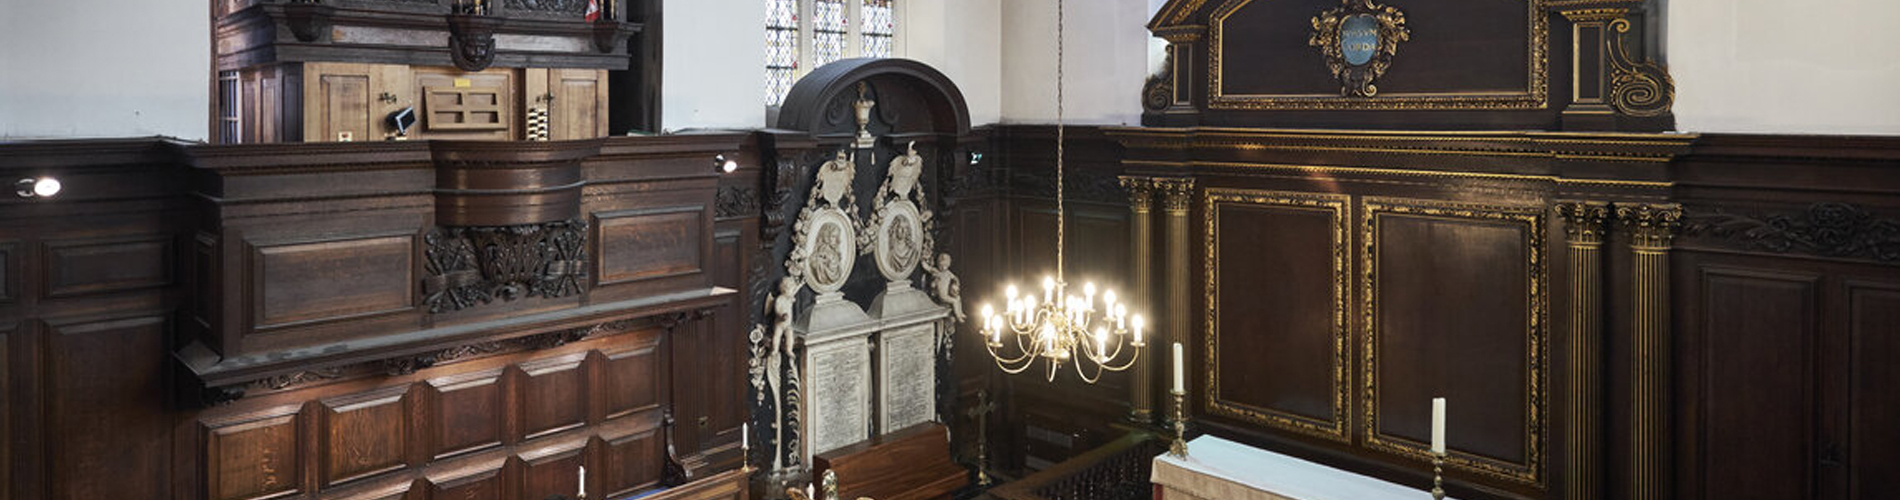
point(472, 40)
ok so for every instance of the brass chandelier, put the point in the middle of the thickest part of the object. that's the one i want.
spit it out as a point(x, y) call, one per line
point(1058, 327)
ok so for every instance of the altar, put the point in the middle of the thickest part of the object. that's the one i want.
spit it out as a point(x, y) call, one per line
point(1218, 469)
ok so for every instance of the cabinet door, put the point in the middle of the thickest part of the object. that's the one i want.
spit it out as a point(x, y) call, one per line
point(337, 98)
point(579, 110)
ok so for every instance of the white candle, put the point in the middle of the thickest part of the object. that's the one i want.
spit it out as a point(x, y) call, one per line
point(583, 487)
point(1180, 382)
point(1138, 326)
point(1438, 425)
point(745, 436)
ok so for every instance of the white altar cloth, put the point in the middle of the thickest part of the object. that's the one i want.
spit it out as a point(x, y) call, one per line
point(1218, 469)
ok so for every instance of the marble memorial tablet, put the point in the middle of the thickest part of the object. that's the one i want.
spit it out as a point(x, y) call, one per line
point(840, 392)
point(909, 360)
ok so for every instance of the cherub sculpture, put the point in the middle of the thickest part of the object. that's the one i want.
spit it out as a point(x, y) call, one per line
point(949, 289)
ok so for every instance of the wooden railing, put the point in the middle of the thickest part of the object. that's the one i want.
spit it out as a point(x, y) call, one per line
point(1115, 471)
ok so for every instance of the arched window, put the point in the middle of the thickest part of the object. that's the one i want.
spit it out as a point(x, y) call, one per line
point(805, 34)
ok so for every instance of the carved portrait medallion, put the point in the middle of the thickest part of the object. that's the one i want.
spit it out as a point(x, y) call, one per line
point(830, 250)
point(900, 244)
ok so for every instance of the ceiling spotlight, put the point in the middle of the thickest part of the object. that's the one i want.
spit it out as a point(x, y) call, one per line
point(44, 187)
point(723, 165)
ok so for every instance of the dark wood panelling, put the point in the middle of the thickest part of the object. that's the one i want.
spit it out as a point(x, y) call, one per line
point(301, 283)
point(1450, 283)
point(106, 399)
point(1287, 252)
point(1761, 331)
point(555, 473)
point(86, 267)
point(365, 434)
point(255, 456)
point(469, 409)
point(630, 464)
point(631, 379)
point(1874, 317)
point(551, 391)
point(644, 244)
point(9, 271)
point(483, 485)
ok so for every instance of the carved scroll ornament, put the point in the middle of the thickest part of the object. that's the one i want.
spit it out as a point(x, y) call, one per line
point(468, 266)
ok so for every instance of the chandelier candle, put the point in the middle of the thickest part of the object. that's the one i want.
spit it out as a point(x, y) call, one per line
point(1438, 425)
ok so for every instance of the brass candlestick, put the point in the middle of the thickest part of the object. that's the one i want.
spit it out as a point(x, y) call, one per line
point(1178, 448)
point(1438, 475)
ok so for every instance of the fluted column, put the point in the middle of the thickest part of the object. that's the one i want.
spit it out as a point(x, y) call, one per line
point(1141, 265)
point(1177, 197)
point(1583, 227)
point(1651, 229)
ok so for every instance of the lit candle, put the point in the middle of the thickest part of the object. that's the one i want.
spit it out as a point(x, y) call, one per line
point(1438, 425)
point(1101, 343)
point(1180, 381)
point(1010, 292)
point(1138, 326)
point(583, 487)
point(1088, 296)
point(996, 334)
point(1048, 289)
point(1108, 297)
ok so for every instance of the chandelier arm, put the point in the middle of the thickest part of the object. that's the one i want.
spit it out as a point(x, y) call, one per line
point(1005, 364)
point(1124, 366)
point(1001, 359)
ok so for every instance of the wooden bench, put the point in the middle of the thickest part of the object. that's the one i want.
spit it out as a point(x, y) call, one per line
point(910, 464)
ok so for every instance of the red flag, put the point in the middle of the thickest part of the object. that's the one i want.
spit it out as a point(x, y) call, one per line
point(593, 10)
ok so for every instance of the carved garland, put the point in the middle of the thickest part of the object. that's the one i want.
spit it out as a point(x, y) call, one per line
point(1824, 229)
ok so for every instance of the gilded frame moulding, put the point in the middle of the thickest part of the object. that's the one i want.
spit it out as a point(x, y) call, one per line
point(1536, 94)
point(1336, 206)
point(1537, 411)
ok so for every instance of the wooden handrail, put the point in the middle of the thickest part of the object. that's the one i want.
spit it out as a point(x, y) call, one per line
point(1115, 471)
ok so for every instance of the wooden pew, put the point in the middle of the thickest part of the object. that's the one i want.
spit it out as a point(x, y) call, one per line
point(910, 464)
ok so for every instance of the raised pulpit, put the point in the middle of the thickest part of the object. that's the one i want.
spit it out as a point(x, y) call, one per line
point(1218, 469)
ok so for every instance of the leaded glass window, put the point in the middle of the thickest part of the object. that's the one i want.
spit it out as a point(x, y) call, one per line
point(781, 49)
point(801, 35)
point(829, 26)
point(880, 25)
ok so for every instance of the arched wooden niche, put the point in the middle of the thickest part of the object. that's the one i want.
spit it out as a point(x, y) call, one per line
point(912, 98)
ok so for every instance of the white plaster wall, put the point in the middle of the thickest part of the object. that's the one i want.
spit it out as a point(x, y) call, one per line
point(1106, 61)
point(104, 68)
point(714, 61)
point(961, 39)
point(1785, 66)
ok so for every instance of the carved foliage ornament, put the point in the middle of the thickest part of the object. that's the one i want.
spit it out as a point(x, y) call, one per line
point(1358, 40)
point(476, 265)
point(1824, 229)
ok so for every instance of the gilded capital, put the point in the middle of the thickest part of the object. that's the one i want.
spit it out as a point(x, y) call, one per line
point(1140, 192)
point(1583, 221)
point(1650, 226)
point(1177, 193)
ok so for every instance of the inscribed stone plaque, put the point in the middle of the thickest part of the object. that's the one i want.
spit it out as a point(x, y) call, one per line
point(909, 377)
point(840, 394)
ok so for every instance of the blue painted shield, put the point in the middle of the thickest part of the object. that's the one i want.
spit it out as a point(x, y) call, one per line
point(1359, 39)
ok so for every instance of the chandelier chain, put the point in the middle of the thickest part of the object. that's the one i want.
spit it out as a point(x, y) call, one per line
point(1061, 214)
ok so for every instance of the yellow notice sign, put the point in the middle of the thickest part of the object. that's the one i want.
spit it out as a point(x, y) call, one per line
point(462, 83)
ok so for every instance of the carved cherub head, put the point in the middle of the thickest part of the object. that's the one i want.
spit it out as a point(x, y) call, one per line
point(943, 261)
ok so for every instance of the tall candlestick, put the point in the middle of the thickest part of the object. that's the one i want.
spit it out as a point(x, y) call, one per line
point(1180, 382)
point(1438, 425)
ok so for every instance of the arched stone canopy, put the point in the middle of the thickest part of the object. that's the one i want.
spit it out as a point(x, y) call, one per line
point(810, 105)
